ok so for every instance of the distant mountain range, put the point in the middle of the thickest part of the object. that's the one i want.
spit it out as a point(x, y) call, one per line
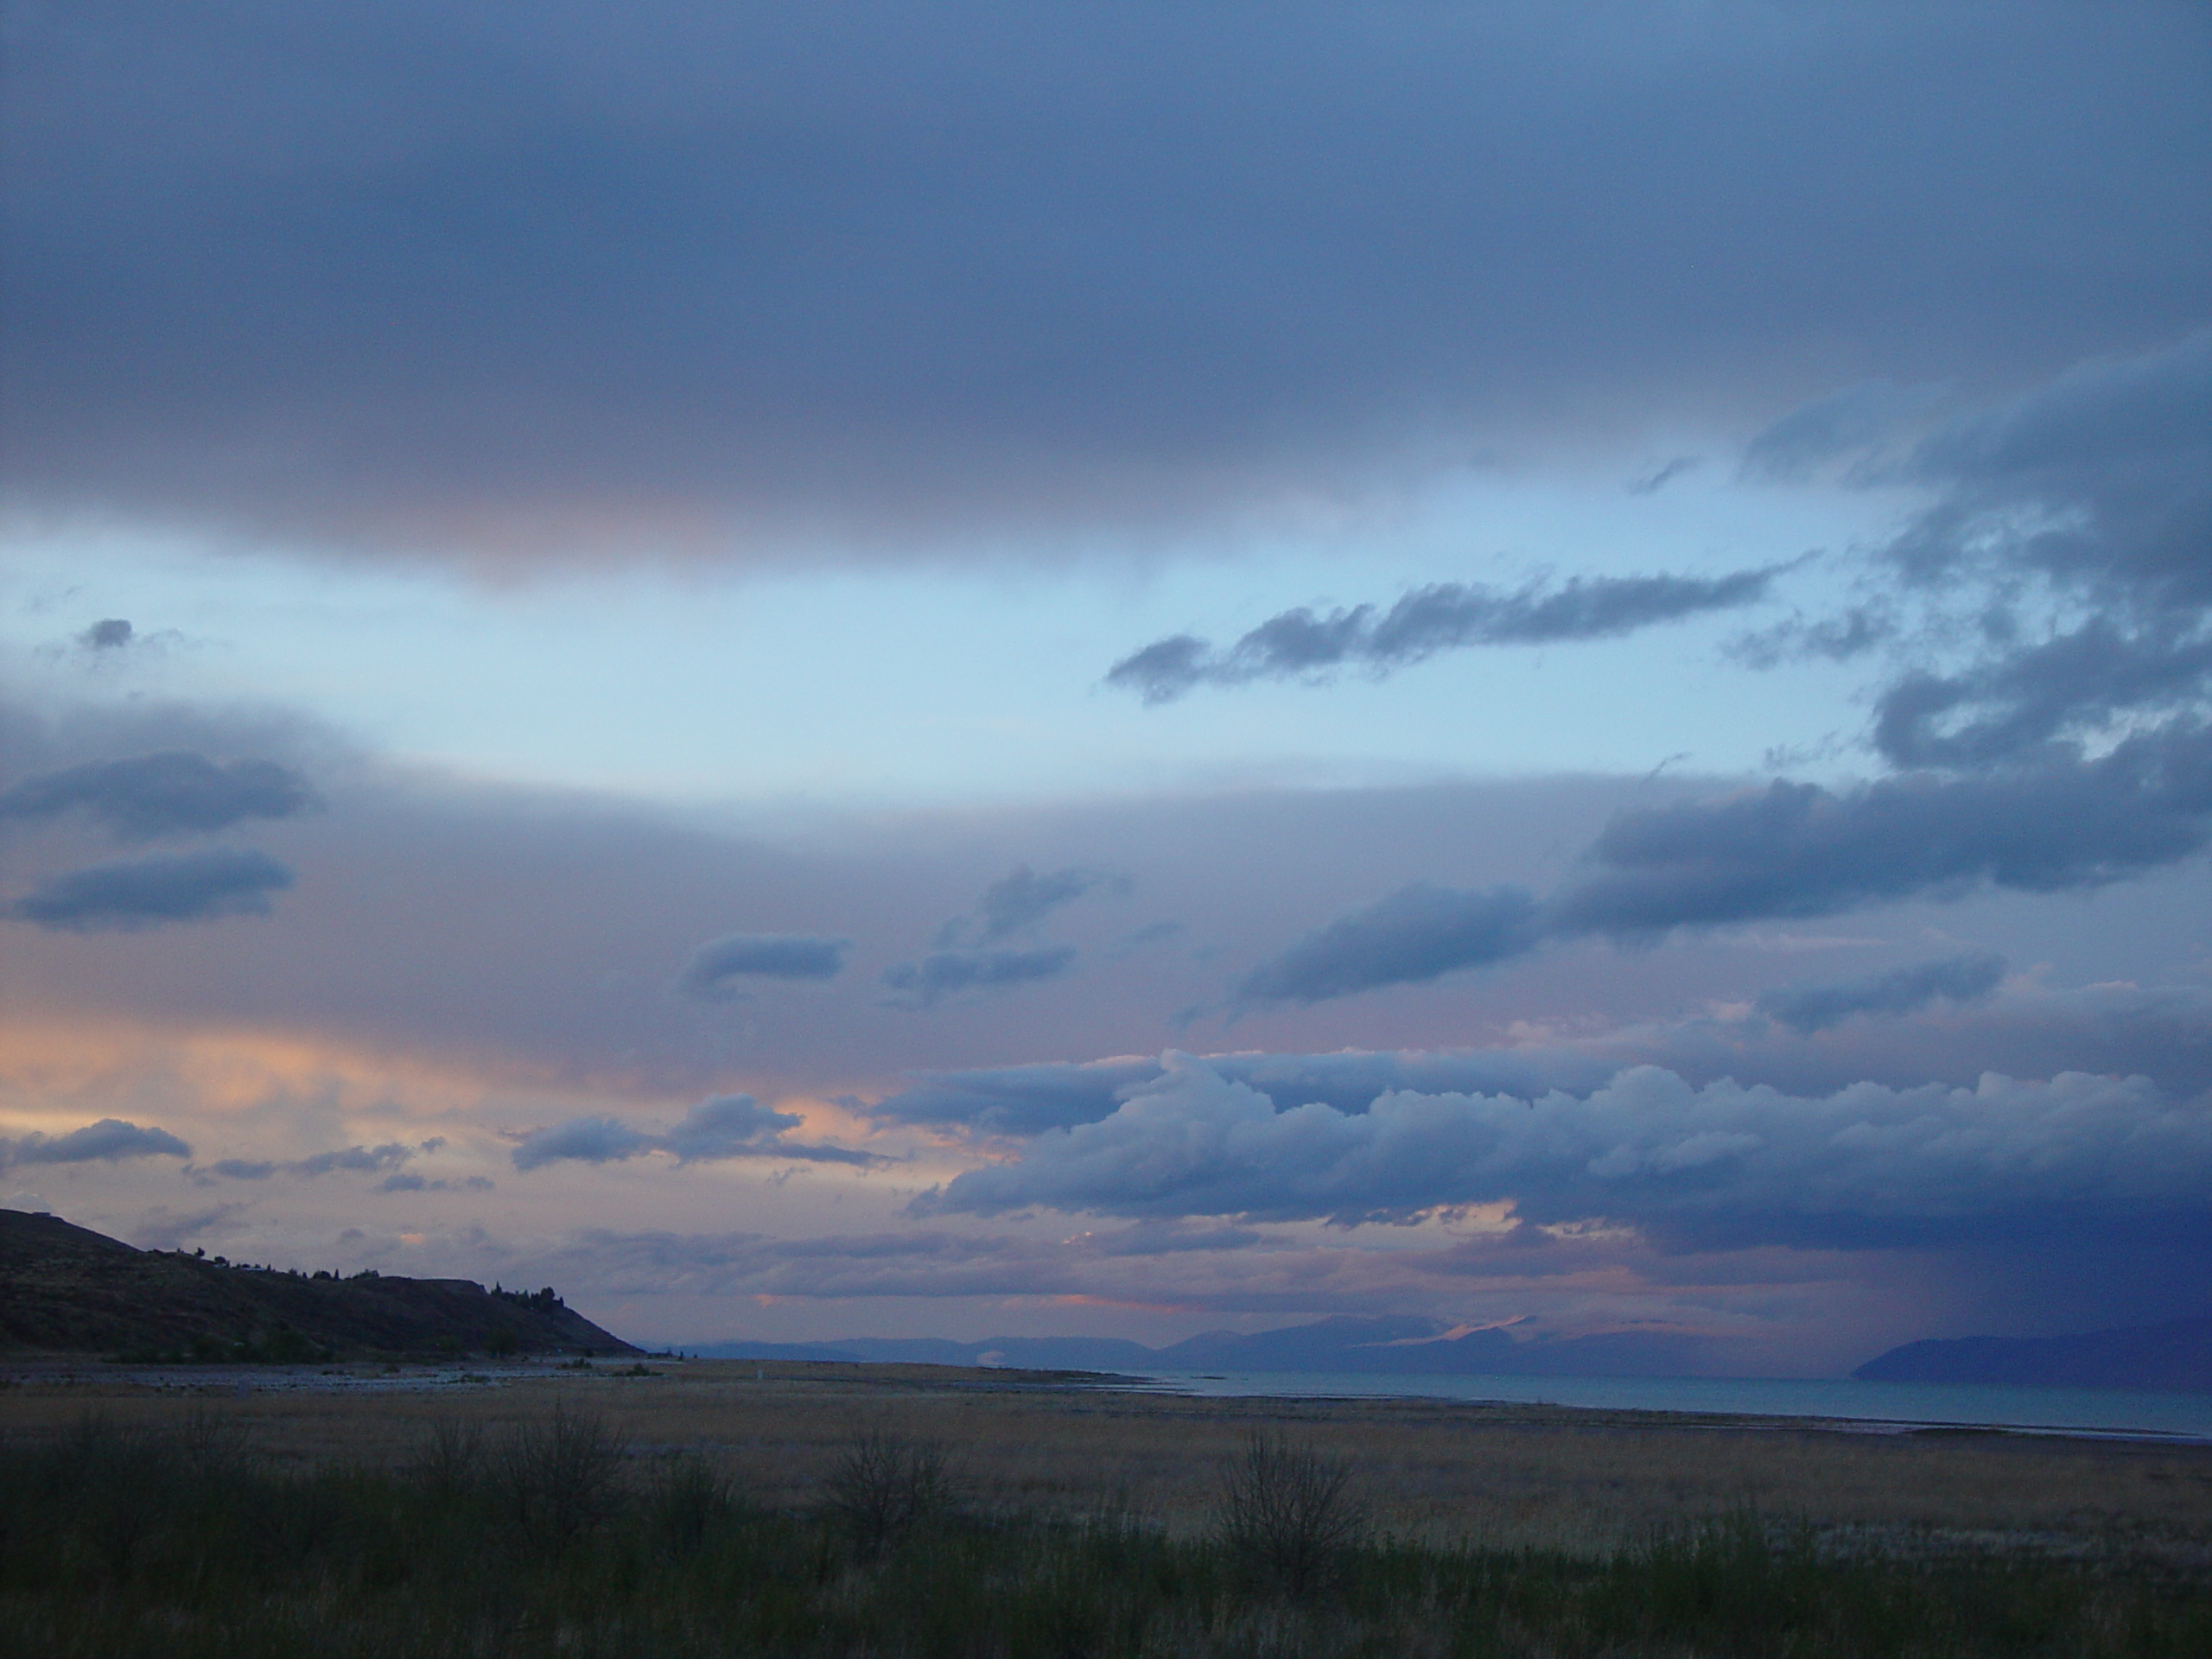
point(67, 1289)
point(2178, 1356)
point(2175, 1355)
point(1345, 1344)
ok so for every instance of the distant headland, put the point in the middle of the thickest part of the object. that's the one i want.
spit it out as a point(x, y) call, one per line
point(68, 1289)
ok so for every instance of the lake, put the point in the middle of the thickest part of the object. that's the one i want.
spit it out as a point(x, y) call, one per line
point(1875, 1405)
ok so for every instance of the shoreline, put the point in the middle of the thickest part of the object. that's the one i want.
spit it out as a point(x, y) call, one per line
point(1848, 1405)
point(29, 1375)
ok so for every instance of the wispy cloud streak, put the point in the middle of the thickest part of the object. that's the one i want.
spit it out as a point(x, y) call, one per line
point(155, 892)
point(725, 1126)
point(152, 795)
point(1447, 616)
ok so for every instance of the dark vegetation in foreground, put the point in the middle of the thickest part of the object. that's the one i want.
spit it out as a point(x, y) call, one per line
point(554, 1537)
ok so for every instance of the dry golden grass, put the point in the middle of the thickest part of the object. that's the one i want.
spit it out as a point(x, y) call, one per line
point(1548, 1477)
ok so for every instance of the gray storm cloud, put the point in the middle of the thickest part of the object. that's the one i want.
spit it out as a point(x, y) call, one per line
point(154, 892)
point(2101, 479)
point(1798, 850)
point(943, 974)
point(1017, 1100)
point(1956, 979)
point(1446, 616)
point(503, 281)
point(1020, 900)
point(2061, 688)
point(720, 966)
point(1418, 933)
point(1788, 850)
point(724, 1127)
point(1020, 1100)
point(109, 633)
point(1840, 427)
point(969, 960)
point(389, 1156)
point(2083, 510)
point(585, 1140)
point(105, 1141)
point(407, 1181)
point(150, 797)
point(1866, 1167)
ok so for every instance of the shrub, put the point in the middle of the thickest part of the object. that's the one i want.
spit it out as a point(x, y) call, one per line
point(884, 1486)
point(1286, 1515)
point(450, 1457)
point(559, 1477)
point(114, 1480)
point(690, 1496)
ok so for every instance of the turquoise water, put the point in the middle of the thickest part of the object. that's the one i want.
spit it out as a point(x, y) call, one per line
point(1873, 1405)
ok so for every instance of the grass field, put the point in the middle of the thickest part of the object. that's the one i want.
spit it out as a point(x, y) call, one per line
point(722, 1508)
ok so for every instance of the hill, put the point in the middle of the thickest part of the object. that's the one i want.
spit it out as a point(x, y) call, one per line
point(2175, 1357)
point(68, 1289)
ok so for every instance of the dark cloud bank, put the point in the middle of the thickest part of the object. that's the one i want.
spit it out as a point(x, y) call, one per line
point(467, 275)
point(1806, 1039)
point(1723, 1165)
point(2063, 1148)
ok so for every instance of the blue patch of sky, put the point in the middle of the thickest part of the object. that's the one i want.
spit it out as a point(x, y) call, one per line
point(874, 680)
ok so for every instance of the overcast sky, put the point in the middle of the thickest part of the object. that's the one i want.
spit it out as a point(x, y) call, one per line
point(972, 669)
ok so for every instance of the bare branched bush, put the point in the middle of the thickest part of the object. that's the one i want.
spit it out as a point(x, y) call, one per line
point(559, 1477)
point(1285, 1513)
point(689, 1497)
point(450, 1457)
point(886, 1485)
point(115, 1476)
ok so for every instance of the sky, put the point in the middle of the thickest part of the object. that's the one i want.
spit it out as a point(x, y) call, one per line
point(1064, 670)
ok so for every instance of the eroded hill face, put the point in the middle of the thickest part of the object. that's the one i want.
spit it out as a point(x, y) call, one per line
point(65, 1288)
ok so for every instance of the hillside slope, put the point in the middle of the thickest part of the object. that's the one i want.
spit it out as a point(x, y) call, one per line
point(65, 1288)
point(2175, 1355)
